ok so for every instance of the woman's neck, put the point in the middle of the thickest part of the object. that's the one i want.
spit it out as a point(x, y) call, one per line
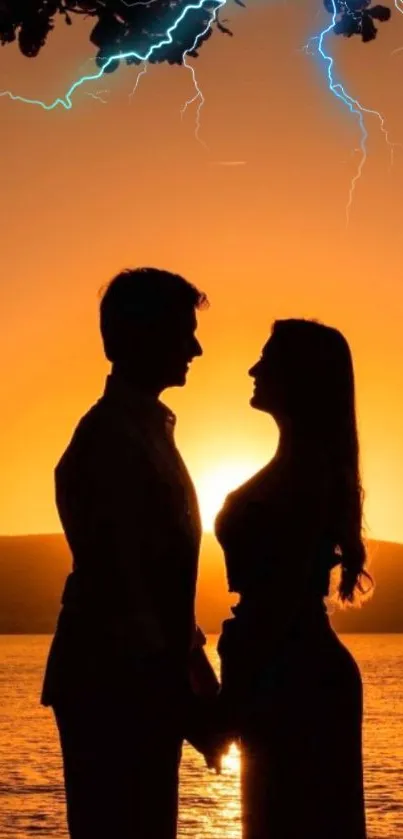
point(297, 445)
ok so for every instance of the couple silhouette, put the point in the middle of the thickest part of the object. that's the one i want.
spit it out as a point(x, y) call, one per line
point(127, 675)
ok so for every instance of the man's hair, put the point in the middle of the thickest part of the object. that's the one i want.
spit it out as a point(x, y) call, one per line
point(137, 296)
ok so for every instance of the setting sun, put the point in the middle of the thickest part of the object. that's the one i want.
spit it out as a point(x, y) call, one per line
point(214, 485)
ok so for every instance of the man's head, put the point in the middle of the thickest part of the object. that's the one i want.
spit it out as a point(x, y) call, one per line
point(148, 324)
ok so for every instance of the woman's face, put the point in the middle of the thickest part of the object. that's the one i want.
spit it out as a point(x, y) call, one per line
point(269, 393)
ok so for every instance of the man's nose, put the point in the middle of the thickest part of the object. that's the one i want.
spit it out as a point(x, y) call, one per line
point(253, 370)
point(196, 348)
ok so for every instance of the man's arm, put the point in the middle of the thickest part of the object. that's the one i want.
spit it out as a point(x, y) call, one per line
point(203, 679)
point(106, 492)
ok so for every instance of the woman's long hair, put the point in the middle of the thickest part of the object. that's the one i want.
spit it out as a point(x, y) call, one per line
point(318, 384)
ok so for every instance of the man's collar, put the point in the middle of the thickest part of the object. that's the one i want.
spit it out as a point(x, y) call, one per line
point(139, 404)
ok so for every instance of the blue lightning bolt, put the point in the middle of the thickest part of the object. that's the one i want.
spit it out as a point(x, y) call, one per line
point(121, 56)
point(352, 104)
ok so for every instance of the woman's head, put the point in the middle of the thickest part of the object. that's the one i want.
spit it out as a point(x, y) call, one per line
point(305, 380)
point(305, 373)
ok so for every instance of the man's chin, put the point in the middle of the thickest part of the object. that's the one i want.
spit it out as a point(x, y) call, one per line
point(179, 380)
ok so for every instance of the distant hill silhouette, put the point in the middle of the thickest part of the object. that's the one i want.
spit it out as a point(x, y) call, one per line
point(32, 574)
point(33, 570)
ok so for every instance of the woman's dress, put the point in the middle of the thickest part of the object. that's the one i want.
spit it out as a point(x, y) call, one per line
point(298, 694)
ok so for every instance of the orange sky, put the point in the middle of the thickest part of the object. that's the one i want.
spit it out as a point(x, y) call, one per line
point(89, 191)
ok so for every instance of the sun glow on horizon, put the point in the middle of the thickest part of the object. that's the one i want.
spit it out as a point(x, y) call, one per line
point(214, 486)
point(231, 762)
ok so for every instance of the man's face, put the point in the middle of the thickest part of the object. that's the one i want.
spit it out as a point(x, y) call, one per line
point(160, 353)
point(177, 346)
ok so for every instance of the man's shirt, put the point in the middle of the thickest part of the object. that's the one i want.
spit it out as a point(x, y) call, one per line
point(131, 518)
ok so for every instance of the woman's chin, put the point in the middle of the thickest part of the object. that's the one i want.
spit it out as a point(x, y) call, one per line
point(257, 402)
point(254, 400)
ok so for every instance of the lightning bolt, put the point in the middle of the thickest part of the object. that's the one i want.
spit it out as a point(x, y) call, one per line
point(66, 102)
point(142, 73)
point(98, 97)
point(399, 7)
point(138, 3)
point(352, 104)
point(198, 94)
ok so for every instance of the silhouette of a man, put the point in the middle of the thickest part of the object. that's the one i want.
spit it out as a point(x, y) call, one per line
point(118, 670)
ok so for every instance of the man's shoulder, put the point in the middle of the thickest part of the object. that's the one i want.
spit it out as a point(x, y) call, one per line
point(101, 435)
point(92, 432)
point(96, 421)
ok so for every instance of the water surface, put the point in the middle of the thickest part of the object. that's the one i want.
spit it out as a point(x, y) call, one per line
point(31, 786)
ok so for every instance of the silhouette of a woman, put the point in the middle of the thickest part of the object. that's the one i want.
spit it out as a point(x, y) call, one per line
point(290, 688)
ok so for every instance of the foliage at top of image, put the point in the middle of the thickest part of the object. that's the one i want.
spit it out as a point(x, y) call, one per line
point(356, 17)
point(123, 26)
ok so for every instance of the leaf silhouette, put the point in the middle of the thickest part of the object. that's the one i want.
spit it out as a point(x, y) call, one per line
point(356, 17)
point(380, 13)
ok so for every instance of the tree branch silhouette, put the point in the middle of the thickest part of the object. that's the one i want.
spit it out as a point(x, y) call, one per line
point(122, 26)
